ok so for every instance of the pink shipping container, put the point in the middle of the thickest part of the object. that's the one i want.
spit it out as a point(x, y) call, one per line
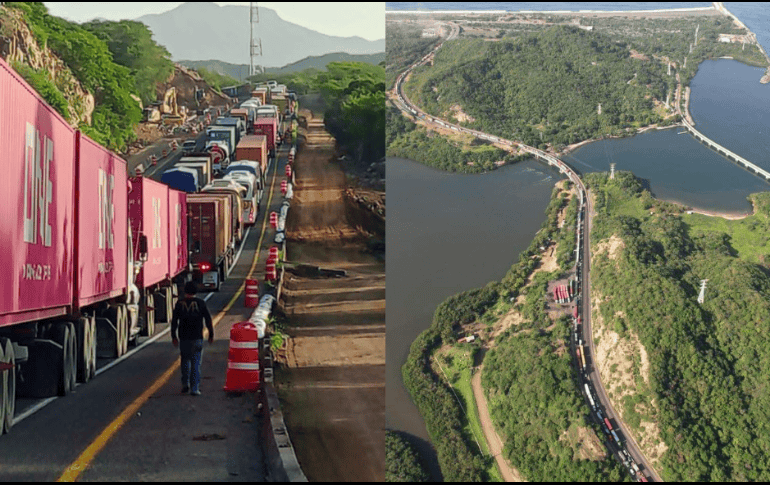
point(177, 216)
point(148, 212)
point(102, 245)
point(36, 204)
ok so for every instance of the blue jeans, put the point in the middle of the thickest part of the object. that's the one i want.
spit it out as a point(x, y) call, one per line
point(191, 352)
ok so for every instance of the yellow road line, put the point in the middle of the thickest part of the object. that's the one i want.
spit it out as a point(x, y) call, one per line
point(73, 471)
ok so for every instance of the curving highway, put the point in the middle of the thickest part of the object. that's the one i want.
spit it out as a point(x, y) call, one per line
point(617, 439)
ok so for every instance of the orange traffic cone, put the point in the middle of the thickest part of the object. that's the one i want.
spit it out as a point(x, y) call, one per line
point(243, 359)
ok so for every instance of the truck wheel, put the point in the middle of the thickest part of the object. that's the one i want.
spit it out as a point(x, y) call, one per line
point(92, 349)
point(62, 335)
point(174, 297)
point(9, 404)
point(123, 330)
point(73, 352)
point(84, 338)
point(169, 304)
point(4, 394)
point(149, 317)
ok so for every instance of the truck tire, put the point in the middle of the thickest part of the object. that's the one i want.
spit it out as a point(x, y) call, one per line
point(122, 326)
point(63, 335)
point(149, 317)
point(9, 404)
point(4, 394)
point(175, 290)
point(169, 304)
point(92, 349)
point(72, 345)
point(85, 340)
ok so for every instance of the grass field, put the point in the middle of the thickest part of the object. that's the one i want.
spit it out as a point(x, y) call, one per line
point(457, 364)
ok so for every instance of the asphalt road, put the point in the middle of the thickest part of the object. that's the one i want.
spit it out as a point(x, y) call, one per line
point(169, 436)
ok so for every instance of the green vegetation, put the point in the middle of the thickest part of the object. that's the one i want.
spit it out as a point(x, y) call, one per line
point(457, 363)
point(216, 80)
point(39, 79)
point(533, 399)
point(402, 460)
point(544, 88)
point(355, 95)
point(443, 417)
point(531, 387)
point(405, 139)
point(132, 46)
point(92, 63)
point(405, 46)
point(316, 63)
point(708, 363)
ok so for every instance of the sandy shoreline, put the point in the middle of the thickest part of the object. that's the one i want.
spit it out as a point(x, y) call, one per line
point(575, 146)
point(732, 216)
point(558, 12)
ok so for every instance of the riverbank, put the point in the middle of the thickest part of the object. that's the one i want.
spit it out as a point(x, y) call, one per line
point(643, 129)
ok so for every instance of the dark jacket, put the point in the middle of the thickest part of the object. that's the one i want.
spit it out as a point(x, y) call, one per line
point(189, 315)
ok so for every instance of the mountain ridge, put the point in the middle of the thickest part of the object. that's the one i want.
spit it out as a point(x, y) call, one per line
point(200, 31)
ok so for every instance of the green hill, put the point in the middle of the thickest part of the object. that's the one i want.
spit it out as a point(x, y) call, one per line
point(241, 71)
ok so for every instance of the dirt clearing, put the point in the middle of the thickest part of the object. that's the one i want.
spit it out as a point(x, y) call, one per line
point(332, 385)
point(620, 360)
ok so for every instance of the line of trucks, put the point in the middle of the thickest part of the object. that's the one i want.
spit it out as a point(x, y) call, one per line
point(94, 255)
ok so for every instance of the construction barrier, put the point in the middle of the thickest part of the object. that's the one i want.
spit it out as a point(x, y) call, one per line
point(271, 273)
point(252, 293)
point(243, 358)
point(273, 219)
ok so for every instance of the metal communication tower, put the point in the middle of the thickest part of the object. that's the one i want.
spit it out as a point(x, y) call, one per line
point(702, 294)
point(256, 42)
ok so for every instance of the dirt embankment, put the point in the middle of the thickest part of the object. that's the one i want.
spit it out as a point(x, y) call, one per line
point(333, 380)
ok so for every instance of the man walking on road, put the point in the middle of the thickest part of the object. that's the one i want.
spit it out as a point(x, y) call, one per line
point(189, 314)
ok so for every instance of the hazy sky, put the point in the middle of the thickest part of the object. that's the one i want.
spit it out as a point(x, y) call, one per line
point(344, 19)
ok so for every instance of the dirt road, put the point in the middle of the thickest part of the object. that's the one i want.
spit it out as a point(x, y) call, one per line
point(333, 381)
point(494, 442)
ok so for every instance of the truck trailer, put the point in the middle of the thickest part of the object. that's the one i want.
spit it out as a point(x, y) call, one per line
point(254, 148)
point(212, 242)
point(268, 127)
point(87, 251)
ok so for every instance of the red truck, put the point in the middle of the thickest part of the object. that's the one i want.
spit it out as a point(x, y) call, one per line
point(253, 148)
point(87, 253)
point(269, 128)
point(212, 238)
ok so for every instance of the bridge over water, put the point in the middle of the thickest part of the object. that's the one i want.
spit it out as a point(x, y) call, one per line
point(724, 151)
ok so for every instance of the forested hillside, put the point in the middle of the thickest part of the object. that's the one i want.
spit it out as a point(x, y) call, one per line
point(543, 88)
point(698, 373)
point(111, 60)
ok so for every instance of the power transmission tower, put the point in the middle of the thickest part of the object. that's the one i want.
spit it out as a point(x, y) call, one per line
point(256, 42)
point(702, 294)
point(612, 171)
